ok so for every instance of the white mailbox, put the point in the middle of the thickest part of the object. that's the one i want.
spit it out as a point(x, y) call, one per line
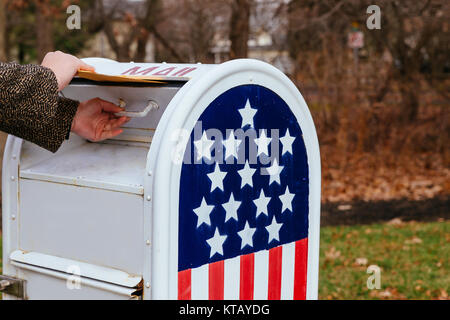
point(212, 191)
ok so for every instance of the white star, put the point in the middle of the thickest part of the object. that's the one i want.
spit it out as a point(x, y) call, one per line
point(246, 235)
point(203, 213)
point(203, 147)
point(261, 204)
point(216, 243)
point(231, 207)
point(274, 230)
point(286, 200)
point(216, 178)
point(247, 114)
point(231, 145)
point(274, 172)
point(246, 175)
point(287, 142)
point(263, 143)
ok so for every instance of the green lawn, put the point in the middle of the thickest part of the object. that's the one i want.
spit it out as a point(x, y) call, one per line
point(1, 255)
point(413, 258)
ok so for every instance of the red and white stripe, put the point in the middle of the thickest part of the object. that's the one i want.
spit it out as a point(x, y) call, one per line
point(278, 273)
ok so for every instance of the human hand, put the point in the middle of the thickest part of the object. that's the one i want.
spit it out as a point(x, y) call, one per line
point(95, 120)
point(65, 66)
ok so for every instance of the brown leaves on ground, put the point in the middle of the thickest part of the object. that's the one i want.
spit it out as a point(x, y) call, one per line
point(414, 240)
point(372, 177)
point(388, 293)
point(332, 254)
point(361, 261)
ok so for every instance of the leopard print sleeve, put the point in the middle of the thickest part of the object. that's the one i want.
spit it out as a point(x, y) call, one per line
point(30, 107)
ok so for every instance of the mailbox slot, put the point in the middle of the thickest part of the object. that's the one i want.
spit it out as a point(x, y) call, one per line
point(111, 166)
point(136, 97)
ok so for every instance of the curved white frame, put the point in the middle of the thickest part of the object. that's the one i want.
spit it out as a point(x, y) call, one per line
point(10, 201)
point(162, 185)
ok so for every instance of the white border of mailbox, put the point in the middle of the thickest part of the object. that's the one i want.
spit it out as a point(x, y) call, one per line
point(10, 198)
point(162, 185)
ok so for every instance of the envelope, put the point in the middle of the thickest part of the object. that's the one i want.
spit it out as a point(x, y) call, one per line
point(90, 75)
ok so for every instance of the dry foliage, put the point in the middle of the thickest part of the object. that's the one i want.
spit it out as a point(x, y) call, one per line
point(368, 158)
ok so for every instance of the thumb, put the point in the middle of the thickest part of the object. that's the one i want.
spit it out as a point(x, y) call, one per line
point(85, 66)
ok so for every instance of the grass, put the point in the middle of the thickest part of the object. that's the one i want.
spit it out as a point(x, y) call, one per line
point(1, 255)
point(413, 258)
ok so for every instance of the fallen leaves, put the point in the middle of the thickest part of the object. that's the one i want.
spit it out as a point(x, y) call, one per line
point(413, 240)
point(361, 261)
point(344, 207)
point(368, 177)
point(332, 254)
point(395, 222)
point(443, 295)
point(388, 293)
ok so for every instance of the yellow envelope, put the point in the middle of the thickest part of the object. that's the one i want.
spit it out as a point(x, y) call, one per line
point(104, 77)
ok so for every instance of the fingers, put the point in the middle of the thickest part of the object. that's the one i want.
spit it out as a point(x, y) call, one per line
point(116, 123)
point(110, 134)
point(109, 107)
point(79, 64)
point(112, 128)
point(85, 66)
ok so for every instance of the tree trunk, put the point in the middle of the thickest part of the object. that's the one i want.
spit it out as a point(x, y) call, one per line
point(44, 30)
point(141, 50)
point(3, 52)
point(410, 100)
point(239, 28)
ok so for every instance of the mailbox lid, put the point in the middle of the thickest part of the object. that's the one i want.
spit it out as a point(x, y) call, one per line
point(136, 84)
point(151, 71)
point(115, 167)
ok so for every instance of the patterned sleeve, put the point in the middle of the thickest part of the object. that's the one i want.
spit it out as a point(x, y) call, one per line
point(30, 107)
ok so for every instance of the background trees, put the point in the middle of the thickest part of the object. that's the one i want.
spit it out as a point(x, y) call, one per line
point(390, 107)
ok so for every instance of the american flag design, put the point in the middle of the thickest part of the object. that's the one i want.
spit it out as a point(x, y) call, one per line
point(243, 225)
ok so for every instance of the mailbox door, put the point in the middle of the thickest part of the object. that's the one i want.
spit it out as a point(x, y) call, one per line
point(75, 214)
point(240, 180)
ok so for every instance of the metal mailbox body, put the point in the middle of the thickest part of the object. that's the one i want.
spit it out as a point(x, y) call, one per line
point(166, 210)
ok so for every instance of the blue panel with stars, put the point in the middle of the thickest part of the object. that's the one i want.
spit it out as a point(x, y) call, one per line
point(231, 208)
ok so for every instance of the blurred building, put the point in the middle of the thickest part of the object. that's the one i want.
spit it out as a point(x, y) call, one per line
point(99, 46)
point(261, 46)
point(267, 39)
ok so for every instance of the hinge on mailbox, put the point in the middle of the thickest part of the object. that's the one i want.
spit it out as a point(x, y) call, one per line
point(12, 286)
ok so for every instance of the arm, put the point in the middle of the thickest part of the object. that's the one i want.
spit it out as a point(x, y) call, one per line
point(30, 107)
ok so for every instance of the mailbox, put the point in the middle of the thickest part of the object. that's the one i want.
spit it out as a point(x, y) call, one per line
point(212, 191)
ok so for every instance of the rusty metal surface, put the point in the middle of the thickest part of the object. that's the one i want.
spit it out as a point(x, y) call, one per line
point(12, 286)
